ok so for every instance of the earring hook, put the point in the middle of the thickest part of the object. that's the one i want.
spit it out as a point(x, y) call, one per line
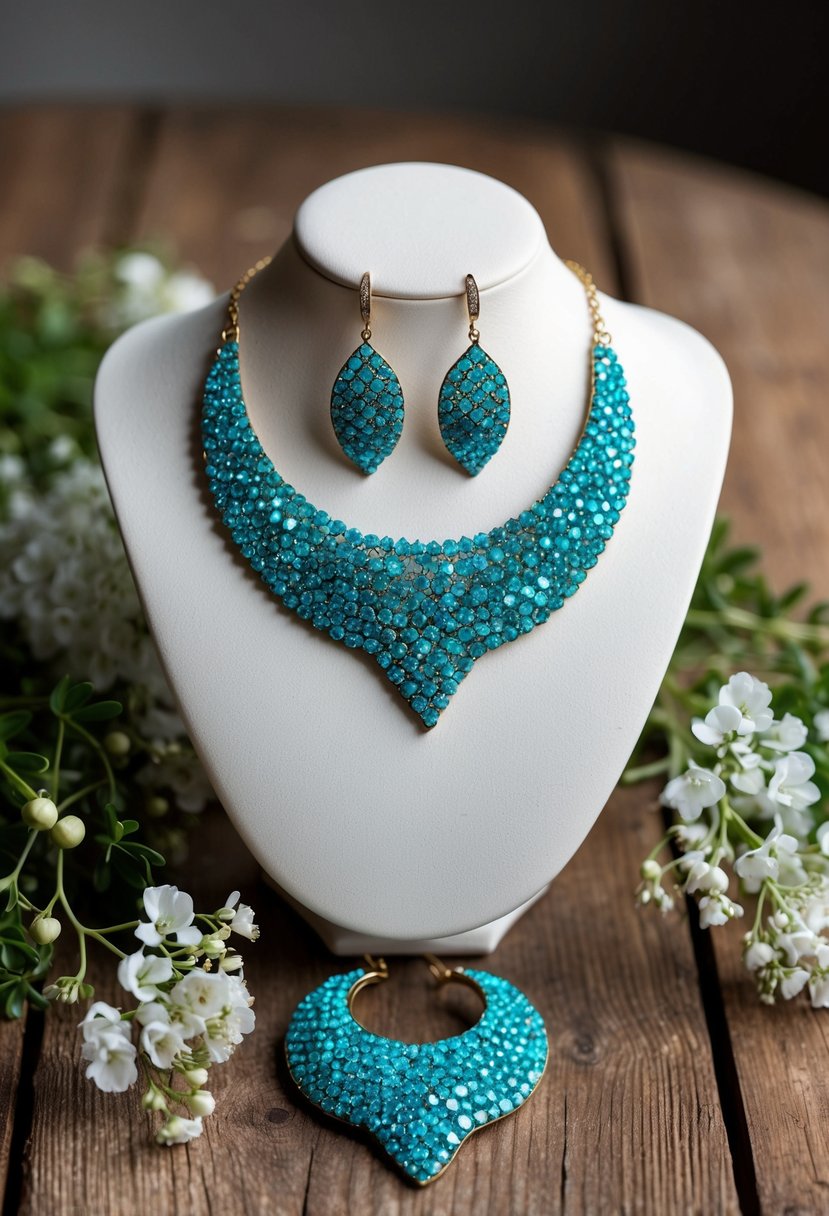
point(365, 305)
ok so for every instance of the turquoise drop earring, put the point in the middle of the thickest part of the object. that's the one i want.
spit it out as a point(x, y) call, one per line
point(473, 405)
point(367, 400)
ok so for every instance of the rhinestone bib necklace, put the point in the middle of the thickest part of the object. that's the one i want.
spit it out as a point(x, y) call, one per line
point(425, 610)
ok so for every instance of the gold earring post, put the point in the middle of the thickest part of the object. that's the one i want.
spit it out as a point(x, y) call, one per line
point(365, 305)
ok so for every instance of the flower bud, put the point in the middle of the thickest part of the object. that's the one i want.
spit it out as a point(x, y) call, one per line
point(40, 813)
point(231, 962)
point(154, 1099)
point(201, 1102)
point(212, 945)
point(650, 869)
point(44, 929)
point(157, 806)
point(68, 832)
point(196, 1076)
point(117, 743)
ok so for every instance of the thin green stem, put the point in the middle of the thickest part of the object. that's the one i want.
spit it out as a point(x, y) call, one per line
point(761, 899)
point(27, 848)
point(57, 759)
point(82, 793)
point(17, 781)
point(779, 628)
point(93, 742)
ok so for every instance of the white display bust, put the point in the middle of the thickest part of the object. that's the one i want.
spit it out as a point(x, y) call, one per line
point(385, 835)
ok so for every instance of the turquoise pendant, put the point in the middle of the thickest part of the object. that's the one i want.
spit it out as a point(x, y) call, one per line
point(367, 408)
point(474, 409)
point(419, 1101)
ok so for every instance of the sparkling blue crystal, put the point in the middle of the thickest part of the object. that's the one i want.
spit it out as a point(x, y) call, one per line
point(367, 408)
point(473, 409)
point(419, 1100)
point(425, 611)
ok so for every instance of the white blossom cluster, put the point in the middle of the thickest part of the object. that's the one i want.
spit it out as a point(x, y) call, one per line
point(758, 774)
point(193, 1010)
point(64, 575)
point(146, 288)
point(65, 580)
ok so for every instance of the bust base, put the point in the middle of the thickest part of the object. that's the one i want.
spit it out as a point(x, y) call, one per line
point(345, 942)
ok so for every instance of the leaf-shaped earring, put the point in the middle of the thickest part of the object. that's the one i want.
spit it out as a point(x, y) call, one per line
point(367, 400)
point(473, 406)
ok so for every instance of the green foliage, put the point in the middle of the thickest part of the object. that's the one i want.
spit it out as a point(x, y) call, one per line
point(737, 623)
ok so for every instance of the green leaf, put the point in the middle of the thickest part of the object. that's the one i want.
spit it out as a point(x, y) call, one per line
point(27, 762)
point(102, 876)
point(142, 850)
point(77, 696)
point(99, 711)
point(15, 1001)
point(36, 998)
point(14, 722)
point(57, 698)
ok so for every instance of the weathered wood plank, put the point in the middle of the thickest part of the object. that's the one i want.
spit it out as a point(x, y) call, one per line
point(60, 170)
point(747, 263)
point(11, 1058)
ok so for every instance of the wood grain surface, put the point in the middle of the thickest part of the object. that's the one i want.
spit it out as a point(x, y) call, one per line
point(670, 1090)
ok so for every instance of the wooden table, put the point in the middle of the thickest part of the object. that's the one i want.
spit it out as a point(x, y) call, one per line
point(671, 1090)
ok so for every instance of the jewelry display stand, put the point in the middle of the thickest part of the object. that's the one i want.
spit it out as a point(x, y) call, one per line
point(385, 836)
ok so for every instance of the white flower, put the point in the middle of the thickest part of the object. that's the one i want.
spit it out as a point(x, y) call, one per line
point(111, 1056)
point(225, 1031)
point(171, 915)
point(65, 581)
point(793, 937)
point(147, 289)
point(100, 1017)
point(717, 909)
point(185, 1020)
point(185, 291)
point(705, 877)
point(752, 697)
point(758, 955)
point(689, 834)
point(819, 991)
point(694, 790)
point(822, 725)
point(819, 979)
point(749, 781)
point(823, 838)
point(793, 982)
point(815, 912)
point(755, 865)
point(202, 993)
point(201, 1103)
point(787, 735)
point(242, 922)
point(719, 722)
point(162, 1042)
point(790, 785)
point(177, 1130)
point(141, 974)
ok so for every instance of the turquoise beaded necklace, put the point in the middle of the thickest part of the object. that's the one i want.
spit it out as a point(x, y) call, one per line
point(425, 610)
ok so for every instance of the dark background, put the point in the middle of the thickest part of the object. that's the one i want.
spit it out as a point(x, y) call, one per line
point(743, 82)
